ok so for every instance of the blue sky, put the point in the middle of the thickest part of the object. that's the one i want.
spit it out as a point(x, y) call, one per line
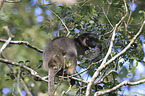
point(139, 69)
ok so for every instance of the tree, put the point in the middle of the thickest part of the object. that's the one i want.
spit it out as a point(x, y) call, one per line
point(27, 26)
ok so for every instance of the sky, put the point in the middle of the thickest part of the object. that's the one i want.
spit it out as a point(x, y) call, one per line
point(139, 69)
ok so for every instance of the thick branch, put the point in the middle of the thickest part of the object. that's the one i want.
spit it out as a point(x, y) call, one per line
point(5, 44)
point(104, 61)
point(7, 41)
point(127, 47)
point(104, 64)
point(113, 58)
point(118, 86)
point(23, 42)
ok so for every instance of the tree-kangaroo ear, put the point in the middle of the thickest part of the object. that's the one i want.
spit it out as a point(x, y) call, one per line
point(88, 40)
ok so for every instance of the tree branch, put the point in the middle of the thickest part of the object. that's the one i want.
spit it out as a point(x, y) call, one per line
point(118, 86)
point(1, 3)
point(26, 88)
point(22, 82)
point(5, 44)
point(59, 19)
point(127, 47)
point(107, 17)
point(7, 41)
point(108, 53)
point(101, 79)
point(34, 73)
point(23, 42)
point(16, 1)
point(112, 59)
point(18, 83)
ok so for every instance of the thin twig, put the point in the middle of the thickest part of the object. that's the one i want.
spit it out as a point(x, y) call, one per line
point(129, 14)
point(16, 1)
point(18, 83)
point(112, 71)
point(34, 73)
point(107, 17)
point(1, 3)
point(59, 18)
point(63, 93)
point(26, 88)
point(86, 68)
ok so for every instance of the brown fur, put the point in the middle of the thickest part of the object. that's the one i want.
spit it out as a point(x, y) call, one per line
point(52, 55)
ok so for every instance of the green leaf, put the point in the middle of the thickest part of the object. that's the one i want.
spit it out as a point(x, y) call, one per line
point(63, 53)
point(121, 64)
point(128, 76)
point(21, 62)
point(27, 61)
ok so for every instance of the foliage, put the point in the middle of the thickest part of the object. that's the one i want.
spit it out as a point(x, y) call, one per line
point(38, 22)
